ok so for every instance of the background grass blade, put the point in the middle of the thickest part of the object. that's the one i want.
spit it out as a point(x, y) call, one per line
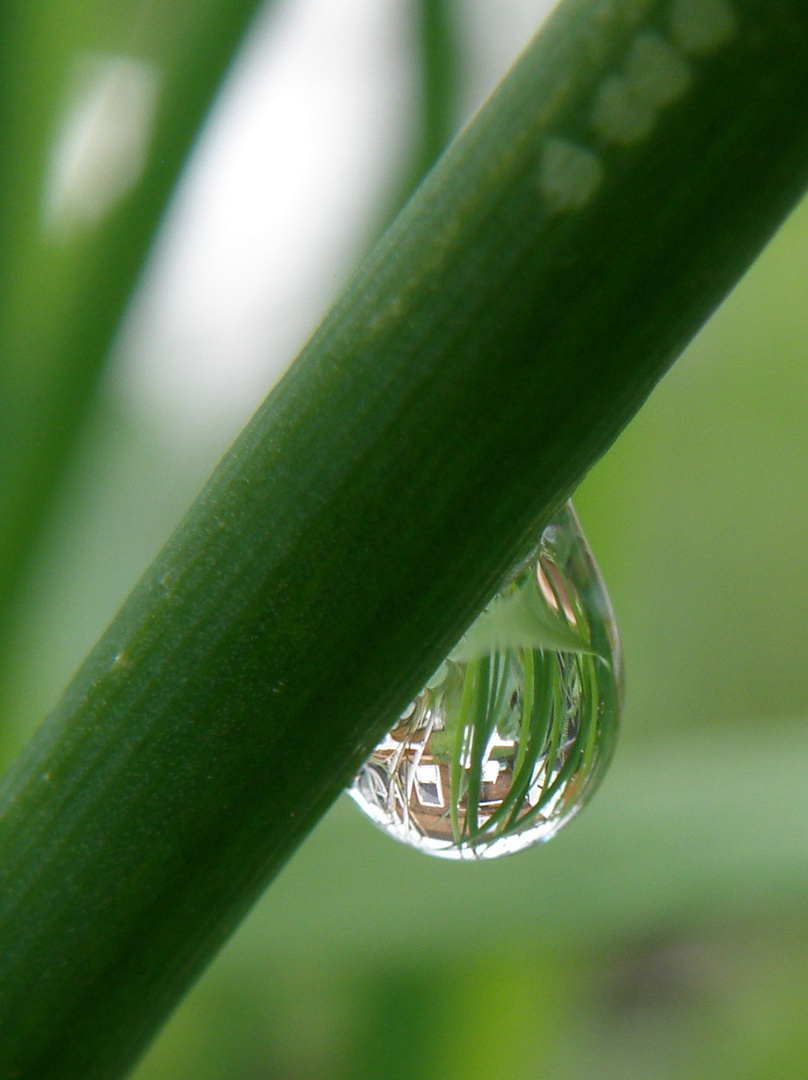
point(500, 336)
point(437, 67)
point(99, 104)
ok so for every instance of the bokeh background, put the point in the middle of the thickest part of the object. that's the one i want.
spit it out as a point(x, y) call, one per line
point(664, 934)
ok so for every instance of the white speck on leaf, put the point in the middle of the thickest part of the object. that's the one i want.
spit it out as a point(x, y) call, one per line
point(655, 71)
point(568, 175)
point(626, 104)
point(700, 27)
point(619, 115)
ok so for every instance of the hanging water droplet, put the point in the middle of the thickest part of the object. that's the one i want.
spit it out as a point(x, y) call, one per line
point(511, 735)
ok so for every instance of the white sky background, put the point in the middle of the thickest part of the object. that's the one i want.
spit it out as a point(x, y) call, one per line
point(293, 169)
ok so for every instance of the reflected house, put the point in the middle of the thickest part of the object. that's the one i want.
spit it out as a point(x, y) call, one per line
point(422, 791)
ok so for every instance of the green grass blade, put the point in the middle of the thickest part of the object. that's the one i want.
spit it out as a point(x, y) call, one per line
point(437, 63)
point(539, 723)
point(589, 712)
point(495, 343)
point(77, 217)
point(457, 774)
point(555, 731)
point(481, 721)
point(500, 687)
point(527, 657)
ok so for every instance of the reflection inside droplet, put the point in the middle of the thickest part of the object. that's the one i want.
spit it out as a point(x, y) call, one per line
point(100, 150)
point(511, 735)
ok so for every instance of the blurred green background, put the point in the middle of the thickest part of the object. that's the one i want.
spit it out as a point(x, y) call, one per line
point(664, 934)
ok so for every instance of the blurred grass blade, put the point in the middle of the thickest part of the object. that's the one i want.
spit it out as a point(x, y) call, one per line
point(492, 346)
point(99, 103)
point(437, 61)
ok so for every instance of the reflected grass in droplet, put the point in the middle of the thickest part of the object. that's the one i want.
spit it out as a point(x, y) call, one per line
point(508, 739)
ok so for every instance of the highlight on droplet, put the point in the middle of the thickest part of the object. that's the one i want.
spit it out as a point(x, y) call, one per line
point(510, 737)
point(100, 150)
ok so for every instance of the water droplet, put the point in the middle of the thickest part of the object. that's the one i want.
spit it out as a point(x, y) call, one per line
point(511, 735)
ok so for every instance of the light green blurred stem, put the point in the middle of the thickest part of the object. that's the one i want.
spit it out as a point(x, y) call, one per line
point(66, 276)
point(437, 63)
point(501, 334)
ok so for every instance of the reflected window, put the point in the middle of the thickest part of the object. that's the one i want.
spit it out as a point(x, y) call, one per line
point(428, 785)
